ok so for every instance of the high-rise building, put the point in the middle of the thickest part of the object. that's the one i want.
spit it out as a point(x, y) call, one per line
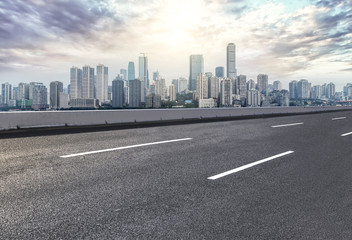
point(15, 93)
point(262, 84)
point(75, 83)
point(124, 73)
point(6, 93)
point(302, 89)
point(153, 101)
point(196, 66)
point(23, 91)
point(293, 89)
point(143, 70)
point(175, 82)
point(40, 97)
point(117, 93)
point(55, 89)
point(87, 86)
point(226, 92)
point(220, 72)
point(330, 91)
point(102, 83)
point(231, 60)
point(131, 72)
point(250, 85)
point(135, 93)
point(172, 92)
point(213, 87)
point(202, 86)
point(182, 84)
point(277, 85)
point(242, 86)
point(316, 92)
point(64, 99)
point(156, 75)
point(253, 98)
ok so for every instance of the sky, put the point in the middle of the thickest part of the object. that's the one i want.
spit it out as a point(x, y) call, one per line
point(288, 40)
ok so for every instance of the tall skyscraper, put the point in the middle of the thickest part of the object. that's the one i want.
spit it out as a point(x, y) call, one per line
point(220, 72)
point(40, 97)
point(102, 83)
point(87, 82)
point(316, 92)
point(242, 86)
point(293, 89)
point(302, 89)
point(117, 93)
point(226, 92)
point(143, 70)
point(213, 87)
point(253, 98)
point(131, 72)
point(196, 66)
point(172, 92)
point(6, 93)
point(262, 84)
point(277, 85)
point(231, 60)
point(175, 82)
point(55, 89)
point(182, 84)
point(135, 93)
point(330, 91)
point(75, 83)
point(202, 86)
point(156, 75)
point(124, 73)
point(23, 91)
point(250, 85)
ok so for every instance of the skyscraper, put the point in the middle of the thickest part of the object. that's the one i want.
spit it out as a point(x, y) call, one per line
point(182, 84)
point(117, 93)
point(23, 91)
point(231, 60)
point(213, 87)
point(143, 70)
point(40, 97)
point(172, 92)
point(6, 93)
point(131, 72)
point(75, 83)
point(220, 72)
point(175, 82)
point(250, 85)
point(135, 93)
point(124, 73)
point(242, 86)
point(102, 83)
point(202, 86)
point(55, 89)
point(330, 90)
point(277, 85)
point(226, 92)
point(302, 89)
point(262, 84)
point(87, 82)
point(196, 66)
point(293, 89)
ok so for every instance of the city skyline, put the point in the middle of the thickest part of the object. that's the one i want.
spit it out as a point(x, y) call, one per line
point(308, 39)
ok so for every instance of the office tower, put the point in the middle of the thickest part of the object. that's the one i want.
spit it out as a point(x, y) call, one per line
point(220, 72)
point(226, 92)
point(196, 66)
point(135, 93)
point(6, 93)
point(172, 92)
point(64, 99)
point(231, 60)
point(124, 73)
point(117, 93)
point(15, 93)
point(293, 89)
point(182, 84)
point(262, 84)
point(75, 83)
point(330, 90)
point(213, 87)
point(160, 88)
point(202, 86)
point(242, 85)
point(251, 85)
point(175, 82)
point(302, 89)
point(277, 85)
point(316, 92)
point(40, 97)
point(87, 87)
point(23, 91)
point(131, 72)
point(55, 89)
point(156, 75)
point(102, 83)
point(253, 98)
point(143, 70)
point(153, 101)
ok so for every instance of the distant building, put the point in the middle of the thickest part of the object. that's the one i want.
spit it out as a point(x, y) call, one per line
point(6, 93)
point(213, 87)
point(87, 87)
point(75, 83)
point(226, 92)
point(131, 72)
point(123, 73)
point(102, 83)
point(135, 93)
point(277, 85)
point(153, 101)
point(196, 66)
point(253, 98)
point(206, 103)
point(23, 91)
point(40, 97)
point(175, 82)
point(302, 89)
point(262, 84)
point(242, 86)
point(202, 87)
point(293, 89)
point(118, 93)
point(251, 85)
point(64, 100)
point(182, 84)
point(220, 72)
point(316, 92)
point(231, 61)
point(84, 103)
point(330, 91)
point(55, 89)
point(172, 92)
point(143, 70)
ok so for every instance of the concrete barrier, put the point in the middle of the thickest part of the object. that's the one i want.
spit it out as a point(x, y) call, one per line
point(16, 120)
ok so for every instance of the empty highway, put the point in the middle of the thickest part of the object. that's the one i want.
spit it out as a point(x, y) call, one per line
point(273, 178)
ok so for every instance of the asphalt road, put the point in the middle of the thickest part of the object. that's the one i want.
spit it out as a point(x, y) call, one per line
point(144, 187)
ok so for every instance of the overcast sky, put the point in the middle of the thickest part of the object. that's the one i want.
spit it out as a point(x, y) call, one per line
point(41, 39)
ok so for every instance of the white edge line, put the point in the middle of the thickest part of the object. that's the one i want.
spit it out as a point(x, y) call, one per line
point(126, 147)
point(248, 166)
point(346, 134)
point(287, 125)
point(339, 118)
